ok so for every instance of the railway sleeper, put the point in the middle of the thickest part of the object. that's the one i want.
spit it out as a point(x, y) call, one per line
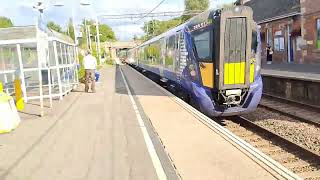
point(262, 144)
point(254, 138)
point(285, 158)
point(301, 169)
point(301, 163)
point(242, 133)
point(270, 152)
point(310, 175)
point(271, 149)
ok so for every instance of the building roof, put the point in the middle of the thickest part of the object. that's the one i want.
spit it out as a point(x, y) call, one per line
point(52, 33)
point(264, 10)
point(23, 32)
point(29, 32)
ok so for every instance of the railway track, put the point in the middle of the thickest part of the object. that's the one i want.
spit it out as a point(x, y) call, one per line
point(301, 161)
point(280, 156)
point(303, 112)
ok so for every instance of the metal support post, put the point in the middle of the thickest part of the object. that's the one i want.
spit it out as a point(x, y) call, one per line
point(58, 68)
point(86, 30)
point(89, 37)
point(98, 40)
point(23, 82)
point(49, 81)
point(68, 70)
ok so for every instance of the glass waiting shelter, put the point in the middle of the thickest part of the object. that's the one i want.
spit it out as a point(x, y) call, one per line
point(45, 61)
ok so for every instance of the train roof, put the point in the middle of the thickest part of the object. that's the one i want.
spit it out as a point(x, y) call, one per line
point(201, 17)
point(193, 21)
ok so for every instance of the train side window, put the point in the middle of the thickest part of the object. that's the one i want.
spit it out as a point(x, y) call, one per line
point(202, 45)
point(170, 53)
point(254, 44)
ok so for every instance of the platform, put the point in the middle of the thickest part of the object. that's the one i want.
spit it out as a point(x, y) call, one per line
point(197, 152)
point(100, 136)
point(307, 72)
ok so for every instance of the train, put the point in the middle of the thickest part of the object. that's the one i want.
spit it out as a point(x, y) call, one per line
point(212, 61)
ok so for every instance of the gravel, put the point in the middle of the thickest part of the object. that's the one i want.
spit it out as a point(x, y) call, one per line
point(301, 133)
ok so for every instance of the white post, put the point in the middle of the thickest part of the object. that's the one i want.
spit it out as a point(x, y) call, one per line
point(77, 62)
point(58, 69)
point(49, 80)
point(23, 82)
point(98, 40)
point(74, 27)
point(86, 29)
point(40, 77)
point(89, 36)
point(63, 70)
point(67, 59)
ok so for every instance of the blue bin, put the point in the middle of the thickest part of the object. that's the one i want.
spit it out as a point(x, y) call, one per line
point(97, 75)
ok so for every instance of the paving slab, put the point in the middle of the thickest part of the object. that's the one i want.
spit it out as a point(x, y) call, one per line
point(196, 151)
point(84, 137)
point(308, 72)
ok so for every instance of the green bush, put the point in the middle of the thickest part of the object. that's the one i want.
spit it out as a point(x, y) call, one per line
point(81, 72)
point(109, 62)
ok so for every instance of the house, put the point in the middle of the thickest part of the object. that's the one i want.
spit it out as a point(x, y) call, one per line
point(280, 22)
point(310, 12)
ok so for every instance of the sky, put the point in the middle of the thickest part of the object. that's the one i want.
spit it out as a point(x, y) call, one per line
point(22, 13)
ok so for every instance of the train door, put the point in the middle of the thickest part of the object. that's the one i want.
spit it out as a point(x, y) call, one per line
point(162, 56)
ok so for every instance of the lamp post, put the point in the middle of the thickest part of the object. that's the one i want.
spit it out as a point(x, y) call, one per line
point(98, 40)
point(87, 3)
point(59, 3)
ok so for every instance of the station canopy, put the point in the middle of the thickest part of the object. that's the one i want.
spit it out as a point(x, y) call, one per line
point(45, 61)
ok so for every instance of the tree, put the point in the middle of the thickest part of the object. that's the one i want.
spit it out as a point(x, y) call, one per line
point(156, 27)
point(194, 5)
point(106, 33)
point(56, 27)
point(5, 22)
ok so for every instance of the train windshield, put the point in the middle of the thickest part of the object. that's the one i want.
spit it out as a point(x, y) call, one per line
point(203, 46)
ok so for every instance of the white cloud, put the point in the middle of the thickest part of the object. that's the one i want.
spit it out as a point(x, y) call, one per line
point(128, 31)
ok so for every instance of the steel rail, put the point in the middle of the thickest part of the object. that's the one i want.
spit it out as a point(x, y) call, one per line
point(292, 101)
point(242, 145)
point(284, 141)
point(295, 116)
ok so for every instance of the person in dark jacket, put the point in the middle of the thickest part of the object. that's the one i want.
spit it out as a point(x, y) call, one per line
point(269, 54)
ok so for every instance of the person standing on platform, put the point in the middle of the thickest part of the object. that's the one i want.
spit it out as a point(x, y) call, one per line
point(90, 66)
point(269, 54)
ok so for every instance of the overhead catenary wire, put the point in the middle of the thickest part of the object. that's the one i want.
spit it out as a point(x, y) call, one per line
point(150, 11)
point(150, 15)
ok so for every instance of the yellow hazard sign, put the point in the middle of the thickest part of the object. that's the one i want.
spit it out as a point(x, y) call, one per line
point(1, 87)
point(19, 95)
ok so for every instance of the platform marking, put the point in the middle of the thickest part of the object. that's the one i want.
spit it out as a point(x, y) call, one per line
point(152, 152)
point(242, 145)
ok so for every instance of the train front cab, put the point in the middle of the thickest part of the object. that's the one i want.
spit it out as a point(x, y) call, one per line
point(232, 80)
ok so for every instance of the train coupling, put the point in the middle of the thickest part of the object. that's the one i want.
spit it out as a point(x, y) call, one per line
point(232, 97)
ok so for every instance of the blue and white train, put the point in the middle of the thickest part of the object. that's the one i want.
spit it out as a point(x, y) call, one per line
point(213, 61)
